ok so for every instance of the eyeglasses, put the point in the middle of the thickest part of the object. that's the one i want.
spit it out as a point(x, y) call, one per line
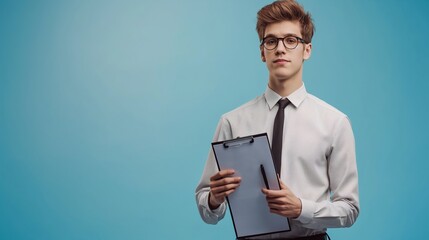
point(290, 42)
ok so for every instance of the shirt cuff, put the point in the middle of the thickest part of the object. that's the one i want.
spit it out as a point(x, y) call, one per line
point(215, 212)
point(307, 211)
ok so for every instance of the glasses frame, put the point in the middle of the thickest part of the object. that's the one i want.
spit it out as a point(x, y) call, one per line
point(300, 40)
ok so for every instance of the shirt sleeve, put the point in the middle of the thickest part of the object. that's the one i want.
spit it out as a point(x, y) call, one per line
point(223, 132)
point(342, 209)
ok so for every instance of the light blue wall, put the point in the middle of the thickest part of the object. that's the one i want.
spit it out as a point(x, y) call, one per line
point(107, 111)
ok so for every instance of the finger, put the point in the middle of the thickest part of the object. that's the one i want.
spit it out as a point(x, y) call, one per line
point(222, 174)
point(223, 195)
point(229, 192)
point(274, 193)
point(225, 181)
point(278, 207)
point(278, 200)
point(264, 190)
point(224, 188)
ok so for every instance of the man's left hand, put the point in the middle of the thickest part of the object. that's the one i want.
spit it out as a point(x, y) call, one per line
point(283, 201)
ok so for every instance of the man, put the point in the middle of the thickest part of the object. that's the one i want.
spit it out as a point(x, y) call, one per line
point(312, 142)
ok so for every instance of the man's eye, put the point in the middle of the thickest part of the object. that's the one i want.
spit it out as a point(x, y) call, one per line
point(271, 41)
point(290, 40)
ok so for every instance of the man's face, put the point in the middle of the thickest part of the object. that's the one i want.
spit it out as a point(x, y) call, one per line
point(282, 63)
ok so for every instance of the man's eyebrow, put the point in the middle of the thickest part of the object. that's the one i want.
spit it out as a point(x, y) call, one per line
point(286, 35)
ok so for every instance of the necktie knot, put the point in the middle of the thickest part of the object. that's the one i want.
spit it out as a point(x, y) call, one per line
point(283, 103)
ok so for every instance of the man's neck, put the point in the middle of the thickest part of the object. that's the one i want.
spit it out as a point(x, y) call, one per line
point(286, 87)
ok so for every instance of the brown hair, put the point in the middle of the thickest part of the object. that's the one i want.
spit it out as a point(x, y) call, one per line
point(288, 10)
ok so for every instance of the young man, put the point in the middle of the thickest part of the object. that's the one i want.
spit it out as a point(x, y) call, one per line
point(312, 142)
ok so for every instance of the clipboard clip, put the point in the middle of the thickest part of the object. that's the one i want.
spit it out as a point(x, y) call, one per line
point(238, 142)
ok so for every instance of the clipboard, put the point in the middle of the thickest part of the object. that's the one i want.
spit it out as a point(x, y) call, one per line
point(249, 209)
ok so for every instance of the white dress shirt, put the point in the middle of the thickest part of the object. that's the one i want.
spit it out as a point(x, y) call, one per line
point(318, 159)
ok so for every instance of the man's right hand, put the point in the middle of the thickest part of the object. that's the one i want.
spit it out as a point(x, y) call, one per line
point(222, 184)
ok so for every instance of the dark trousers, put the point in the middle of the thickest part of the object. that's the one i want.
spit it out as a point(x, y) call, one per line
point(323, 236)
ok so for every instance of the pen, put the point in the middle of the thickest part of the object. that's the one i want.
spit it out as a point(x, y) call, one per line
point(264, 176)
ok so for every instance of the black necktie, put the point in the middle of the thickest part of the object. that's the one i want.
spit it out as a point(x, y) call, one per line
point(276, 147)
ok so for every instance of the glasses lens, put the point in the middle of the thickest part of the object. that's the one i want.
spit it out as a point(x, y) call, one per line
point(290, 42)
point(270, 43)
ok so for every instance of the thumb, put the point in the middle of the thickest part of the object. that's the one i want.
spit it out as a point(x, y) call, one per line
point(282, 184)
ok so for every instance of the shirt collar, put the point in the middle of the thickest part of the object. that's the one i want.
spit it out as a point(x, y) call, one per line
point(295, 98)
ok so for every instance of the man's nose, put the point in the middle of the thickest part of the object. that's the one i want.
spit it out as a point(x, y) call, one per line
point(280, 48)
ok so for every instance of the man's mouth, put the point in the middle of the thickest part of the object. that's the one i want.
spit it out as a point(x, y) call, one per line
point(280, 60)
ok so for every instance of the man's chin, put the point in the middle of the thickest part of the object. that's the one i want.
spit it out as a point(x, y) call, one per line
point(284, 76)
point(281, 76)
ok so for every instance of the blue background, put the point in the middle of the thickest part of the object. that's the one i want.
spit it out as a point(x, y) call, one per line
point(107, 111)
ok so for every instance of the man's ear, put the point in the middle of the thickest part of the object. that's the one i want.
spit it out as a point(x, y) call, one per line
point(262, 54)
point(307, 51)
